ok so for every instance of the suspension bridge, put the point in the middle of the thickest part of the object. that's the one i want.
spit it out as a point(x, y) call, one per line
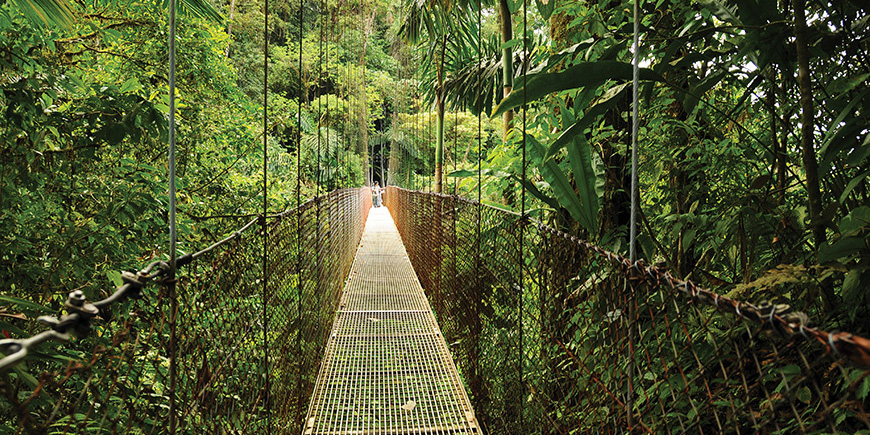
point(458, 318)
point(434, 315)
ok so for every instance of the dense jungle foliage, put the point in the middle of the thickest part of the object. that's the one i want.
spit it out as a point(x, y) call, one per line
point(754, 141)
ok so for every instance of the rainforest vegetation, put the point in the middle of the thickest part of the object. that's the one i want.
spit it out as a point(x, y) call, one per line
point(753, 137)
point(754, 147)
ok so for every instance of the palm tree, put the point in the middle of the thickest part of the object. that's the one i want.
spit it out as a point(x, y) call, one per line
point(451, 37)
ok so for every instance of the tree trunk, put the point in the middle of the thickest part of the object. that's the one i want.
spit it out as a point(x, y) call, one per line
point(507, 59)
point(439, 147)
point(779, 149)
point(230, 27)
point(808, 152)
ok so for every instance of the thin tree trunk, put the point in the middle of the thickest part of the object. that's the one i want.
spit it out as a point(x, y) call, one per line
point(230, 27)
point(507, 59)
point(779, 156)
point(439, 148)
point(808, 152)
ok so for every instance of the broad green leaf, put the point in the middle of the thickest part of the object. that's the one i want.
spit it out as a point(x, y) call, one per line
point(578, 76)
point(803, 394)
point(131, 85)
point(834, 127)
point(115, 277)
point(609, 100)
point(856, 220)
point(47, 12)
point(852, 184)
point(698, 90)
point(546, 8)
point(512, 43)
point(721, 11)
point(21, 303)
point(580, 159)
point(559, 183)
point(841, 249)
point(201, 8)
point(846, 84)
point(531, 188)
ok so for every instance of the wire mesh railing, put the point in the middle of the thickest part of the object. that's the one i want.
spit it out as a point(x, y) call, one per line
point(556, 336)
point(240, 354)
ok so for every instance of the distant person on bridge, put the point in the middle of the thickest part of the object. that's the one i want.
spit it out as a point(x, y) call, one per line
point(377, 190)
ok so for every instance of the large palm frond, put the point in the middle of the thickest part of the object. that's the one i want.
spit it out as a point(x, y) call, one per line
point(62, 13)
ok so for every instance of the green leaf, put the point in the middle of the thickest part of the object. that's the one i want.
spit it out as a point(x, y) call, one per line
point(473, 173)
point(546, 8)
point(856, 220)
point(21, 303)
point(581, 75)
point(580, 159)
point(201, 8)
point(803, 394)
point(841, 249)
point(47, 12)
point(131, 85)
point(846, 84)
point(512, 43)
point(863, 389)
point(698, 90)
point(720, 10)
point(531, 188)
point(559, 183)
point(852, 184)
point(609, 100)
point(835, 126)
point(115, 277)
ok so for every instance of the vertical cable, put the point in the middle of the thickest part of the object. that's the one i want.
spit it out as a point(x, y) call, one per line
point(632, 238)
point(303, 94)
point(479, 206)
point(319, 100)
point(455, 144)
point(523, 220)
point(267, 395)
point(173, 235)
point(635, 123)
point(327, 118)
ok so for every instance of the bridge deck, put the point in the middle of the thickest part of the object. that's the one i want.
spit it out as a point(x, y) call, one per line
point(387, 369)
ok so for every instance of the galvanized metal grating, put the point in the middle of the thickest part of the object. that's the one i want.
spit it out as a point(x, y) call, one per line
point(387, 369)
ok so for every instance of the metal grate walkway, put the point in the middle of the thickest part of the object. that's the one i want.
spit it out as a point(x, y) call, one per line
point(387, 369)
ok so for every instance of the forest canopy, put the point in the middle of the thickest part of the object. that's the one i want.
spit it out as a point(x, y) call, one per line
point(753, 135)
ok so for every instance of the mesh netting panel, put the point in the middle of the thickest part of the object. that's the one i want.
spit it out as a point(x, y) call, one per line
point(556, 336)
point(119, 378)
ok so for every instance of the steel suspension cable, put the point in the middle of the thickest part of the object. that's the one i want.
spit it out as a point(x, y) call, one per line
point(455, 144)
point(298, 236)
point(635, 123)
point(173, 235)
point(479, 208)
point(327, 118)
point(266, 213)
point(632, 238)
point(524, 66)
